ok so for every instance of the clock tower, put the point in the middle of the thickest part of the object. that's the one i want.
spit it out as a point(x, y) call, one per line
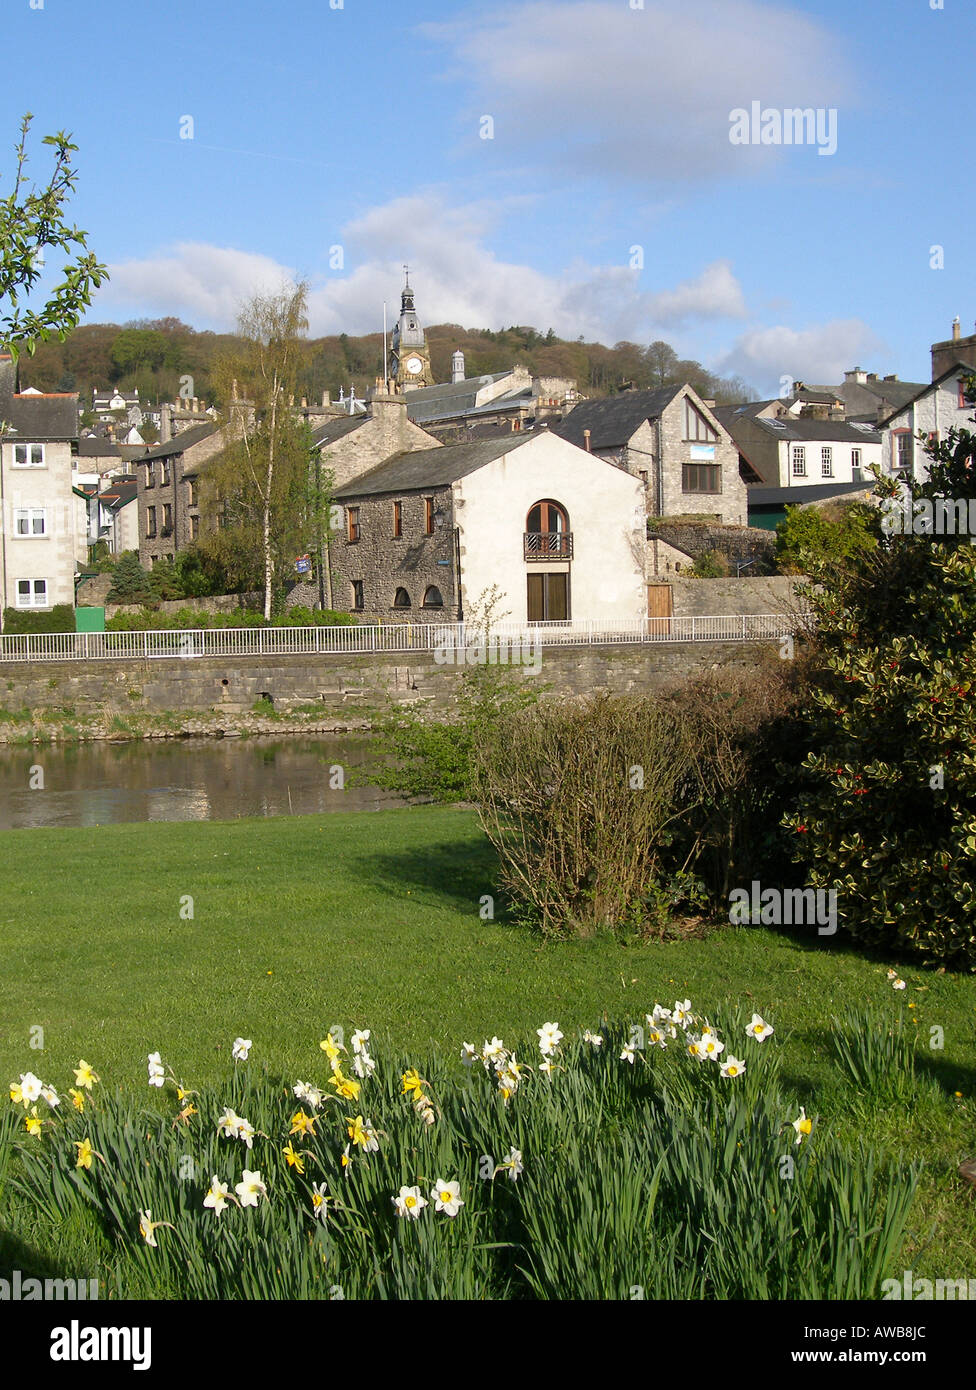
point(409, 354)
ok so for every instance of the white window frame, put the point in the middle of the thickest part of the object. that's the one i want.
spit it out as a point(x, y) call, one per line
point(30, 515)
point(29, 461)
point(855, 459)
point(798, 456)
point(32, 601)
point(826, 461)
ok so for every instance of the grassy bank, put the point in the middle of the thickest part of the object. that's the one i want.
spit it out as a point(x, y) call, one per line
point(373, 921)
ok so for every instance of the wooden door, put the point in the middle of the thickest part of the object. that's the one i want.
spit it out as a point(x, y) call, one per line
point(659, 609)
point(547, 597)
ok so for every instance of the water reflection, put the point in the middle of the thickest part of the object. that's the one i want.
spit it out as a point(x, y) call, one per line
point(180, 779)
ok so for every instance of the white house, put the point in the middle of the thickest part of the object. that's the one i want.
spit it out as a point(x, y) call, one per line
point(790, 451)
point(933, 411)
point(560, 532)
point(44, 523)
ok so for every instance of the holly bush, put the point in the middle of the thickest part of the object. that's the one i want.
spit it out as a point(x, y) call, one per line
point(886, 808)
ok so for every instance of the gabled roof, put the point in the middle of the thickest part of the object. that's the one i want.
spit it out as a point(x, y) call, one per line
point(958, 368)
point(615, 420)
point(427, 468)
point(38, 417)
point(119, 494)
point(802, 429)
point(179, 443)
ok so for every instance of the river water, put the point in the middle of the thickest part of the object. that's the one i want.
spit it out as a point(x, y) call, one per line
point(102, 783)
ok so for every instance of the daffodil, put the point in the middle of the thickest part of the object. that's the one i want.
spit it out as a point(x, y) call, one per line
point(547, 1068)
point(345, 1086)
point(359, 1039)
point(594, 1039)
point(250, 1188)
point(468, 1053)
point(311, 1095)
point(628, 1054)
point(241, 1048)
point(246, 1132)
point(425, 1110)
point(218, 1195)
point(16, 1093)
point(681, 1013)
point(28, 1091)
point(85, 1152)
point(409, 1202)
point(694, 1049)
point(412, 1083)
point(549, 1037)
point(655, 1036)
point(512, 1164)
point(51, 1096)
point(77, 1099)
point(732, 1067)
point(331, 1048)
point(362, 1134)
point(84, 1076)
point(229, 1123)
point(898, 984)
point(294, 1159)
point(758, 1028)
point(148, 1227)
point(302, 1124)
point(34, 1123)
point(492, 1050)
point(320, 1200)
point(446, 1197)
point(710, 1045)
point(802, 1125)
point(363, 1064)
point(157, 1074)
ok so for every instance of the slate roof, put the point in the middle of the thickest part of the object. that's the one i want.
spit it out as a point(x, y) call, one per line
point(119, 494)
point(427, 468)
point(41, 417)
point(813, 492)
point(958, 368)
point(615, 420)
point(179, 443)
point(804, 430)
point(334, 430)
point(450, 398)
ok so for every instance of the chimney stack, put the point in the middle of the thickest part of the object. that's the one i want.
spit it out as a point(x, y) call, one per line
point(165, 423)
point(956, 329)
point(586, 441)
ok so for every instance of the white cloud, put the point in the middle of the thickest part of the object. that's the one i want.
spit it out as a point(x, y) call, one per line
point(644, 93)
point(457, 278)
point(819, 354)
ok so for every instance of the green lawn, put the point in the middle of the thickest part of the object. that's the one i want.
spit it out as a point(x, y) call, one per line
point(372, 920)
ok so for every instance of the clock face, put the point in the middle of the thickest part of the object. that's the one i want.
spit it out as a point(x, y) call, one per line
point(414, 366)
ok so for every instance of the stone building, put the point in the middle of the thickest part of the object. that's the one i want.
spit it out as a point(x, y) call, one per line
point(933, 411)
point(673, 442)
point(169, 495)
point(954, 351)
point(560, 532)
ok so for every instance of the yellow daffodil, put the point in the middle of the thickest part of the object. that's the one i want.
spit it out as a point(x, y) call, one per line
point(331, 1048)
point(85, 1153)
point(294, 1160)
point(77, 1099)
point(84, 1076)
point(362, 1134)
point(16, 1093)
point(412, 1084)
point(345, 1086)
point(185, 1114)
point(34, 1123)
point(302, 1124)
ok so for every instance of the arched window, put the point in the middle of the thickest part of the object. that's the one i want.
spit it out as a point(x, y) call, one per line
point(432, 598)
point(401, 599)
point(547, 533)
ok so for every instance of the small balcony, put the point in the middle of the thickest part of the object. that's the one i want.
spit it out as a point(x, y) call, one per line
point(547, 545)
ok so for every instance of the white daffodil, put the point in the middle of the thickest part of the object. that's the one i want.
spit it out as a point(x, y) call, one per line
point(409, 1202)
point(241, 1048)
point(681, 1013)
point(710, 1045)
point(492, 1051)
point(363, 1064)
point(659, 1014)
point(732, 1067)
point(320, 1198)
point(229, 1124)
point(628, 1053)
point(549, 1038)
point(359, 1039)
point(546, 1067)
point(655, 1036)
point(802, 1125)
point(892, 974)
point(309, 1094)
point(758, 1028)
point(250, 1188)
point(594, 1039)
point(157, 1075)
point(898, 984)
point(217, 1195)
point(51, 1096)
point(446, 1197)
point(245, 1132)
point(694, 1048)
point(148, 1227)
point(512, 1164)
point(425, 1110)
point(31, 1088)
point(468, 1053)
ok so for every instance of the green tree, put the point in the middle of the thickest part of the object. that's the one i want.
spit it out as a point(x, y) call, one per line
point(813, 538)
point(138, 349)
point(886, 814)
point(130, 582)
point(32, 223)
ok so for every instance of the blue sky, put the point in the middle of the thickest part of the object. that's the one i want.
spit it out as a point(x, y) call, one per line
point(361, 128)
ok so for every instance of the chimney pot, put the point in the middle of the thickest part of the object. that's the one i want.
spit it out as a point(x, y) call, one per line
point(586, 441)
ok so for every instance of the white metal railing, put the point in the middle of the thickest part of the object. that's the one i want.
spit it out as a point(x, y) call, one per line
point(387, 637)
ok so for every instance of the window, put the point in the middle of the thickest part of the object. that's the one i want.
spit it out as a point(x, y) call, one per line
point(194, 498)
point(194, 527)
point(701, 477)
point(30, 521)
point(167, 518)
point(352, 524)
point(432, 598)
point(32, 593)
point(151, 523)
point(799, 461)
point(397, 520)
point(165, 465)
point(28, 455)
point(961, 400)
point(547, 597)
point(547, 533)
point(855, 458)
point(401, 599)
point(826, 462)
point(429, 516)
point(696, 426)
point(903, 439)
point(642, 474)
point(357, 594)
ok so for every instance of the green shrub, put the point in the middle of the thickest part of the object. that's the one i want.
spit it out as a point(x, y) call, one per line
point(60, 618)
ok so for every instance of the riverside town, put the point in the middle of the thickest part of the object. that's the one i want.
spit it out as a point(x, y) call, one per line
point(487, 672)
